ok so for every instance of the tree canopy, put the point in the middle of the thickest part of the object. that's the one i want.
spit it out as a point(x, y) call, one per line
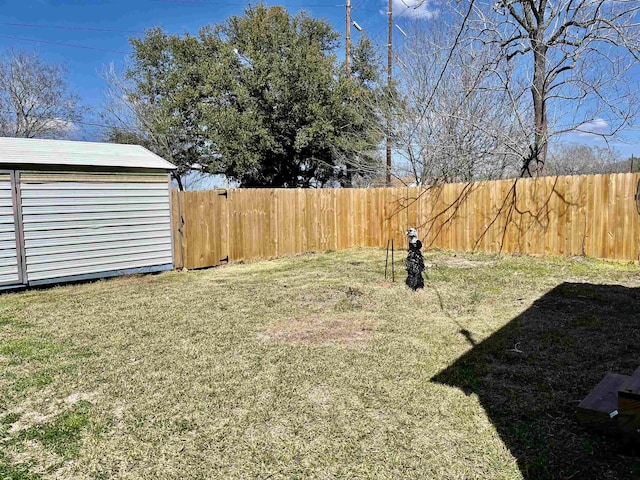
point(260, 98)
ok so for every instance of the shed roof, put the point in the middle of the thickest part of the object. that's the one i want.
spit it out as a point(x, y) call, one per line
point(30, 151)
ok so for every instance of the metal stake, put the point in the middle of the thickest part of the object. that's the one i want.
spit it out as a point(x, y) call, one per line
point(393, 269)
point(386, 262)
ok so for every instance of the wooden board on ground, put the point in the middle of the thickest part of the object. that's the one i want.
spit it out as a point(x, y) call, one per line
point(599, 408)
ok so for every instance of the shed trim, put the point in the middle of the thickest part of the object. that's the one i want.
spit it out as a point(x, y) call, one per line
point(17, 202)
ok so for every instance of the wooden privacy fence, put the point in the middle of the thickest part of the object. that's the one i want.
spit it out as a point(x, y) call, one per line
point(594, 215)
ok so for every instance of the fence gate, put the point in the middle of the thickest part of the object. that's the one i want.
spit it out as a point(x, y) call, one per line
point(201, 222)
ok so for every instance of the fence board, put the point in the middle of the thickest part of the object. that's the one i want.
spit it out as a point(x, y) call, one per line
point(592, 215)
point(601, 216)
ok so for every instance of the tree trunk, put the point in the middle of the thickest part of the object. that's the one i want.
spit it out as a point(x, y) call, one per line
point(179, 182)
point(538, 155)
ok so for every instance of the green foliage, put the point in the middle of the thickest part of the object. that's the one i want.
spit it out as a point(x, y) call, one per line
point(9, 419)
point(261, 99)
point(10, 320)
point(27, 349)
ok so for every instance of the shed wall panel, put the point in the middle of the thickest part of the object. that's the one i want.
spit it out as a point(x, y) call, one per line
point(34, 222)
point(87, 229)
point(7, 235)
point(82, 227)
point(102, 254)
point(9, 266)
point(9, 279)
point(95, 201)
point(94, 177)
point(87, 241)
point(72, 227)
point(88, 248)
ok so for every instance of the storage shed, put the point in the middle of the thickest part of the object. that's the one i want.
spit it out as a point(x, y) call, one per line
point(79, 210)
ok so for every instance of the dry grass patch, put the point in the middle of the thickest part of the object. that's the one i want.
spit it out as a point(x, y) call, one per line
point(347, 332)
point(457, 262)
point(248, 371)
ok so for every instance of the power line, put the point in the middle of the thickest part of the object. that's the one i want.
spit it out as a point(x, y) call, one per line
point(64, 27)
point(389, 75)
point(347, 57)
point(360, 9)
point(246, 4)
point(79, 122)
point(444, 68)
point(358, 5)
point(201, 2)
point(378, 34)
point(86, 47)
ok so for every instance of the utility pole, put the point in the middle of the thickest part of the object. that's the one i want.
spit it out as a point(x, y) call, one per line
point(389, 74)
point(347, 60)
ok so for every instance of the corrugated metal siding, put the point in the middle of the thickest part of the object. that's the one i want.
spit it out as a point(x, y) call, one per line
point(9, 269)
point(80, 228)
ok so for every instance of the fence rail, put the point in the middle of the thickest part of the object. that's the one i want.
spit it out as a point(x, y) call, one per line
point(594, 215)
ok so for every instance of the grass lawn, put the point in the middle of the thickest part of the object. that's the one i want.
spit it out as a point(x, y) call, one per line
point(313, 367)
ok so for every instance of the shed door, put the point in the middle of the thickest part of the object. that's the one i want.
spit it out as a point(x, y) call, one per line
point(83, 224)
point(10, 257)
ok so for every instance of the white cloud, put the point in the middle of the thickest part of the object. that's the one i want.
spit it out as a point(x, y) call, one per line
point(48, 126)
point(417, 9)
point(598, 126)
point(61, 125)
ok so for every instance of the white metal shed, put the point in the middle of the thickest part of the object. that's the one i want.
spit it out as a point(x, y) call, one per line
point(79, 210)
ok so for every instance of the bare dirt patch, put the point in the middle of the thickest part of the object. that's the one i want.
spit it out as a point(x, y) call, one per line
point(79, 396)
point(349, 299)
point(346, 332)
point(320, 395)
point(28, 419)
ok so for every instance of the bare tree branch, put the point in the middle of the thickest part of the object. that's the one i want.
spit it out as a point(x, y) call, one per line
point(35, 100)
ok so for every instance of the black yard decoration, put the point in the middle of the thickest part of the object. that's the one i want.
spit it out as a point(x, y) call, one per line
point(414, 263)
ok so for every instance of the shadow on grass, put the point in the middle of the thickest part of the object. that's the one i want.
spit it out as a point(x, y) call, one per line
point(531, 374)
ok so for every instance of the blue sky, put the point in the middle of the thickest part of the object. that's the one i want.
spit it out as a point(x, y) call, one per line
point(87, 35)
point(96, 32)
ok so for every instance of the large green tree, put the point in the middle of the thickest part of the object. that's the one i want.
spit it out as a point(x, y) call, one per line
point(261, 98)
point(157, 101)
